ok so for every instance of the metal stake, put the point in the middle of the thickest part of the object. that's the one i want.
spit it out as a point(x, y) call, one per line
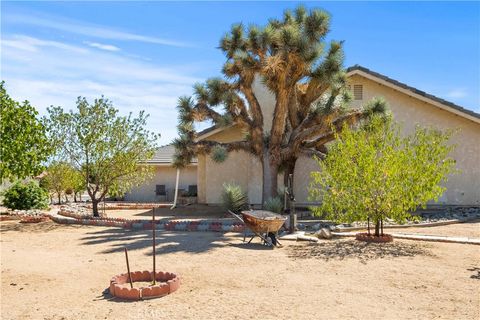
point(128, 269)
point(153, 233)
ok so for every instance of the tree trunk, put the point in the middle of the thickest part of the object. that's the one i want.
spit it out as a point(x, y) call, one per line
point(59, 197)
point(377, 228)
point(95, 207)
point(270, 178)
point(75, 197)
point(289, 170)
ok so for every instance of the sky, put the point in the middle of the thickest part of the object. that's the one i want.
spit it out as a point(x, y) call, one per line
point(144, 55)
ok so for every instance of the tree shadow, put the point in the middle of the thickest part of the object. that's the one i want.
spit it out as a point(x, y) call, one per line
point(476, 273)
point(166, 241)
point(40, 227)
point(363, 251)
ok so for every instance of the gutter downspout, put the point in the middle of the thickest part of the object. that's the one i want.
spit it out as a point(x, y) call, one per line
point(176, 190)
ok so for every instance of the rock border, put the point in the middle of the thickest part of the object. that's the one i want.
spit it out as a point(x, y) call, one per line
point(66, 216)
point(167, 283)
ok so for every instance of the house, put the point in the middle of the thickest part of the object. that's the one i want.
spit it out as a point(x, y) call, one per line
point(409, 106)
point(161, 188)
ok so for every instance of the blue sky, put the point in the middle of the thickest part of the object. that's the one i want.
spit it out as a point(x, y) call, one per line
point(144, 55)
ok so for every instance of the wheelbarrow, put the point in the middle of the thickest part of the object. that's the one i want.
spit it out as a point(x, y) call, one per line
point(264, 224)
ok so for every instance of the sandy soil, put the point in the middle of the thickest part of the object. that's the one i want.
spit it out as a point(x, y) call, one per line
point(51, 271)
point(181, 212)
point(471, 230)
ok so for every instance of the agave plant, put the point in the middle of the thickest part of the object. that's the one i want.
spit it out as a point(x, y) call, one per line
point(274, 204)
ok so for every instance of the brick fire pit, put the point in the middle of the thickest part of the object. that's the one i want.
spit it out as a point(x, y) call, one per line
point(166, 283)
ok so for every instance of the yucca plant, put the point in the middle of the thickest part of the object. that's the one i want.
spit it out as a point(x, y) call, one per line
point(274, 204)
point(307, 78)
point(233, 198)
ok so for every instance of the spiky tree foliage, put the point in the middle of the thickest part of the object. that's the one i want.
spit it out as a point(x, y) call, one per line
point(233, 198)
point(306, 77)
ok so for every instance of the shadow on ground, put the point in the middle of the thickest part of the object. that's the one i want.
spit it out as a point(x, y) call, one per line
point(15, 225)
point(476, 273)
point(166, 241)
point(356, 249)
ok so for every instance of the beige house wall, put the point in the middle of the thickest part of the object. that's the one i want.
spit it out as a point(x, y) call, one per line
point(462, 188)
point(164, 174)
point(246, 170)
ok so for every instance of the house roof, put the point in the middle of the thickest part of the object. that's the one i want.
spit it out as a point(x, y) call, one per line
point(378, 77)
point(165, 154)
point(449, 106)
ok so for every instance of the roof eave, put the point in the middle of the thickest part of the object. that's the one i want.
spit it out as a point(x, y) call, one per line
point(411, 91)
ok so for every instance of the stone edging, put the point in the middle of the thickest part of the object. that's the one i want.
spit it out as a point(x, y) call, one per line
point(422, 237)
point(418, 225)
point(67, 217)
point(122, 206)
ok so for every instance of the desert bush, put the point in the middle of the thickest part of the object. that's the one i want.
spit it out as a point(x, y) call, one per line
point(24, 196)
point(233, 198)
point(376, 173)
point(274, 204)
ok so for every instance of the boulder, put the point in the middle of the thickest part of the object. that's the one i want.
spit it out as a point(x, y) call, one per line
point(324, 233)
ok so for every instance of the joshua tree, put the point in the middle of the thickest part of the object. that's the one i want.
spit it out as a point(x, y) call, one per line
point(308, 82)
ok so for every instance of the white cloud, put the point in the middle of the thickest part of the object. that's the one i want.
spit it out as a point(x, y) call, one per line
point(53, 73)
point(106, 47)
point(457, 93)
point(90, 30)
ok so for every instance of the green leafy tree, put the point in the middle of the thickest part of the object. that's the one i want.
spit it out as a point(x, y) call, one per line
point(77, 184)
point(62, 178)
point(305, 75)
point(106, 148)
point(23, 144)
point(376, 173)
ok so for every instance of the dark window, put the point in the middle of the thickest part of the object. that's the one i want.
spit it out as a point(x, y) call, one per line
point(192, 190)
point(160, 190)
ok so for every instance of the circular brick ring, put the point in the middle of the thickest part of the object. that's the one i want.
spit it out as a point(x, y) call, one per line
point(166, 283)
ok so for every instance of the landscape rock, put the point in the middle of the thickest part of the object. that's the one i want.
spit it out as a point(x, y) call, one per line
point(324, 233)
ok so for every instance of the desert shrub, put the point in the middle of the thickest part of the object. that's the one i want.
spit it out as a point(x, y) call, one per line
point(233, 198)
point(376, 173)
point(24, 196)
point(274, 204)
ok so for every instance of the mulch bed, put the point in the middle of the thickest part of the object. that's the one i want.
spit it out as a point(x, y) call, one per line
point(372, 238)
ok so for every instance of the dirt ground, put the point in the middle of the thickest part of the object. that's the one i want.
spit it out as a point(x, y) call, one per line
point(182, 212)
point(470, 230)
point(51, 271)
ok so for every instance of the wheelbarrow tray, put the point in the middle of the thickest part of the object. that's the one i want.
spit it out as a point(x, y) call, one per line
point(262, 222)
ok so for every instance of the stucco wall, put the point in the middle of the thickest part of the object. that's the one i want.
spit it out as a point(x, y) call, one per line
point(163, 175)
point(240, 167)
point(244, 169)
point(462, 188)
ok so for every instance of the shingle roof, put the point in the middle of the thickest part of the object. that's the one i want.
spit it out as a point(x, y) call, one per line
point(164, 155)
point(414, 90)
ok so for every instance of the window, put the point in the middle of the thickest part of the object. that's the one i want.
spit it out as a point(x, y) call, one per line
point(358, 92)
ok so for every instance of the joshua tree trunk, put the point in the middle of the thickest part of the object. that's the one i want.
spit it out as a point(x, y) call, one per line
point(59, 197)
point(270, 178)
point(289, 170)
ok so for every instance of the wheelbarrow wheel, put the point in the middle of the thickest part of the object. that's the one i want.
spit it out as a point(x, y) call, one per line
point(272, 239)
